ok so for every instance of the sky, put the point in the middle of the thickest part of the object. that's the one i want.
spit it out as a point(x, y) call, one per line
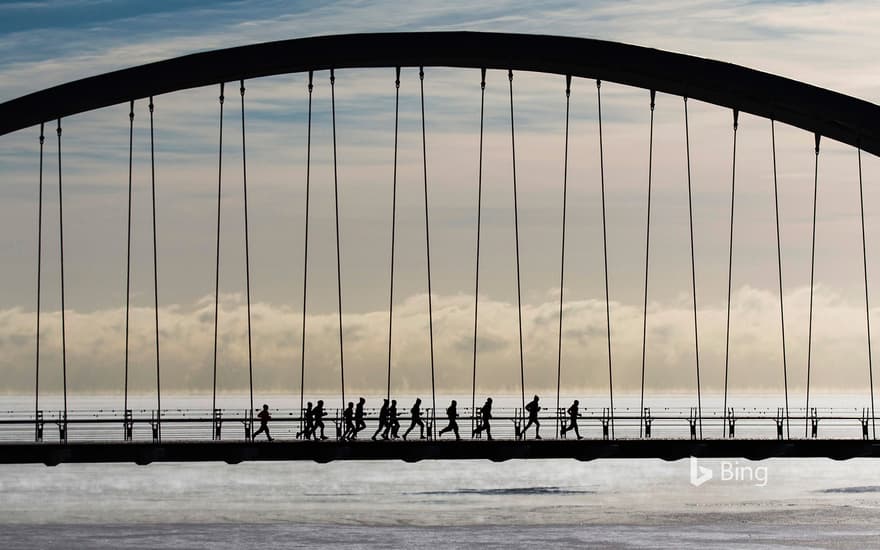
point(829, 44)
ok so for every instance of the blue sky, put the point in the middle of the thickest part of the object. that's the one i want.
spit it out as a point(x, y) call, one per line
point(831, 44)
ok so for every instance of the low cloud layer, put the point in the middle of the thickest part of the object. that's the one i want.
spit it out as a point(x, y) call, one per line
point(95, 343)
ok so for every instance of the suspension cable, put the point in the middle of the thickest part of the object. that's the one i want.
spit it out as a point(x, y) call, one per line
point(128, 249)
point(427, 238)
point(155, 271)
point(302, 367)
point(730, 268)
point(61, 253)
point(779, 263)
point(605, 255)
point(647, 263)
point(522, 375)
point(217, 263)
point(477, 264)
point(687, 140)
point(562, 253)
point(812, 274)
point(39, 283)
point(867, 301)
point(393, 226)
point(247, 261)
point(338, 252)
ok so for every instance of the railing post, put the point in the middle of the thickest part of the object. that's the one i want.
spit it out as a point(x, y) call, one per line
point(38, 426)
point(606, 420)
point(814, 422)
point(62, 426)
point(155, 426)
point(560, 422)
point(216, 424)
point(780, 421)
point(127, 425)
point(516, 424)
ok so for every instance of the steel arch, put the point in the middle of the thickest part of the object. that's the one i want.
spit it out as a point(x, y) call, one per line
point(833, 115)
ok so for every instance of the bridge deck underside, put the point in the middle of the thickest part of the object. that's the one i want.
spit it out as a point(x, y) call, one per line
point(413, 451)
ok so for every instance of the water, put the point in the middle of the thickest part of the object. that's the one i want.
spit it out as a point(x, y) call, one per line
point(816, 503)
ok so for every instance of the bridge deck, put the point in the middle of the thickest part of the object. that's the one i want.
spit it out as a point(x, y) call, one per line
point(234, 452)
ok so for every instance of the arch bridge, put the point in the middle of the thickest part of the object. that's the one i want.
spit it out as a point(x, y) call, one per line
point(151, 434)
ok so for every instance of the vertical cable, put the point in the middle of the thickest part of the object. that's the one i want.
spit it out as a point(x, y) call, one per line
point(155, 271)
point(217, 263)
point(522, 375)
point(393, 226)
point(427, 237)
point(302, 366)
point(247, 263)
point(61, 251)
point(779, 263)
point(562, 253)
point(338, 253)
point(39, 284)
point(605, 255)
point(730, 269)
point(687, 140)
point(812, 273)
point(477, 264)
point(867, 301)
point(647, 263)
point(128, 248)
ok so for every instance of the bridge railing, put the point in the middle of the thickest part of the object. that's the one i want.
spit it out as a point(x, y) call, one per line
point(506, 423)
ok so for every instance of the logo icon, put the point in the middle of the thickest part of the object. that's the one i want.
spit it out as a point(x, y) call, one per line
point(699, 474)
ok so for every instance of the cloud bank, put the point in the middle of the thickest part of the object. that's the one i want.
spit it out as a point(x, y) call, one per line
point(96, 347)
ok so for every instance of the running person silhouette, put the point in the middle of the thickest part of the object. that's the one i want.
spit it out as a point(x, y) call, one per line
point(573, 415)
point(416, 415)
point(485, 417)
point(319, 414)
point(383, 422)
point(393, 424)
point(308, 423)
point(532, 407)
point(348, 419)
point(452, 414)
point(264, 423)
point(359, 423)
